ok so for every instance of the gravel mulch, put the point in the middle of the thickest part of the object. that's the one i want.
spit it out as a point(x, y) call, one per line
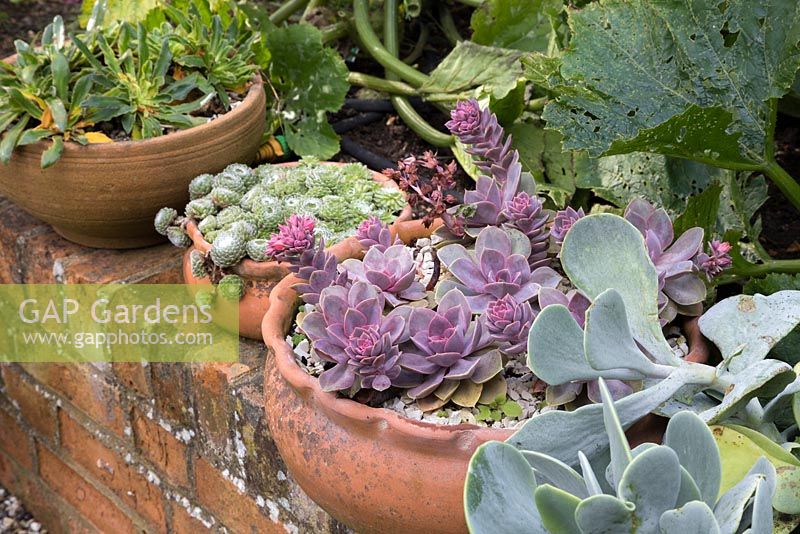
point(14, 519)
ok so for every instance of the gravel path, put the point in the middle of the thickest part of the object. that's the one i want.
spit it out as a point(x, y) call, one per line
point(14, 519)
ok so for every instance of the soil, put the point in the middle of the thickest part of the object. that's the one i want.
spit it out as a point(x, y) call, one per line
point(781, 235)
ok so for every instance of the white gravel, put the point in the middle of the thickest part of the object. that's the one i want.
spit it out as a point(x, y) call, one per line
point(14, 519)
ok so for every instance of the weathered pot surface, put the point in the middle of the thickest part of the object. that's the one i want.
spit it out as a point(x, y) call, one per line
point(370, 468)
point(105, 195)
point(261, 277)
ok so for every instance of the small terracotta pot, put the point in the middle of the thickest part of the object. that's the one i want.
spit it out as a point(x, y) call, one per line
point(370, 468)
point(261, 277)
point(105, 195)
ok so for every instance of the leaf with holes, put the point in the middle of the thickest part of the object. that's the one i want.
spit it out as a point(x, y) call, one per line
point(687, 78)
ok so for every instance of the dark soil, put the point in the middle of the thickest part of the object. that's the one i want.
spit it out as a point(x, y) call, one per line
point(781, 235)
point(26, 18)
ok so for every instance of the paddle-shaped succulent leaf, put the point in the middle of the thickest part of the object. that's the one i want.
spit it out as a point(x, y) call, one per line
point(497, 267)
point(670, 488)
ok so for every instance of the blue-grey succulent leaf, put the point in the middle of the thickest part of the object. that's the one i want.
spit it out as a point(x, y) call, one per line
point(617, 442)
point(499, 492)
point(745, 327)
point(731, 506)
point(761, 515)
point(763, 378)
point(605, 514)
point(557, 509)
point(592, 484)
point(692, 518)
point(556, 350)
point(609, 343)
point(604, 251)
point(652, 482)
point(562, 434)
point(781, 402)
point(689, 491)
point(548, 470)
point(693, 442)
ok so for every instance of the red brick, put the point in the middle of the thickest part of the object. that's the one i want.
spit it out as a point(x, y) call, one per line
point(237, 511)
point(81, 494)
point(169, 382)
point(85, 387)
point(183, 523)
point(161, 448)
point(134, 376)
point(36, 409)
point(129, 266)
point(14, 441)
point(108, 467)
point(213, 404)
point(16, 223)
point(50, 510)
point(38, 252)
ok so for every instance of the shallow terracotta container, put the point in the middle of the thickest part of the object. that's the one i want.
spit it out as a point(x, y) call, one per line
point(105, 195)
point(371, 468)
point(261, 277)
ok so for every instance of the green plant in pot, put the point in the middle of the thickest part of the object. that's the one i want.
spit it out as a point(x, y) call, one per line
point(236, 219)
point(747, 393)
point(411, 366)
point(134, 101)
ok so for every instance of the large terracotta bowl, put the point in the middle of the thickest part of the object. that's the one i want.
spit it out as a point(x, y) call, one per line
point(371, 468)
point(261, 277)
point(105, 195)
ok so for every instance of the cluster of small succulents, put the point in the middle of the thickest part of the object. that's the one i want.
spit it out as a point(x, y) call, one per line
point(238, 209)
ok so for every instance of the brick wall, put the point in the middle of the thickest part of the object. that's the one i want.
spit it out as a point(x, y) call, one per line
point(131, 447)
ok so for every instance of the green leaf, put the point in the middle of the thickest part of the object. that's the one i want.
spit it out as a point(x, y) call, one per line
point(59, 68)
point(694, 444)
point(519, 24)
point(59, 113)
point(557, 509)
point(116, 10)
point(701, 211)
point(604, 514)
point(746, 328)
point(605, 251)
point(53, 153)
point(10, 139)
point(32, 136)
point(652, 483)
point(470, 66)
point(311, 81)
point(692, 518)
point(500, 484)
point(608, 341)
point(674, 77)
point(511, 408)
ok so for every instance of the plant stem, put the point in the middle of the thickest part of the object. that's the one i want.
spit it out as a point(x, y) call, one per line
point(448, 25)
point(335, 31)
point(788, 185)
point(392, 87)
point(377, 50)
point(424, 33)
point(401, 104)
point(286, 11)
point(771, 266)
point(309, 8)
point(471, 3)
point(537, 104)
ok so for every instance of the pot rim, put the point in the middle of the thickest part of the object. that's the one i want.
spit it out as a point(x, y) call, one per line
point(269, 269)
point(279, 319)
point(154, 144)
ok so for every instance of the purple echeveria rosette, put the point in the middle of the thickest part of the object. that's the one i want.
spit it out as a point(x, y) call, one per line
point(348, 328)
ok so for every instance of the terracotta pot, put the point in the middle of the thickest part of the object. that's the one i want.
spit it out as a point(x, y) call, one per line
point(261, 277)
point(370, 468)
point(105, 195)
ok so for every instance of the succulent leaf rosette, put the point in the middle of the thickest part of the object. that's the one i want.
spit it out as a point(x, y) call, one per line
point(393, 271)
point(350, 330)
point(498, 266)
